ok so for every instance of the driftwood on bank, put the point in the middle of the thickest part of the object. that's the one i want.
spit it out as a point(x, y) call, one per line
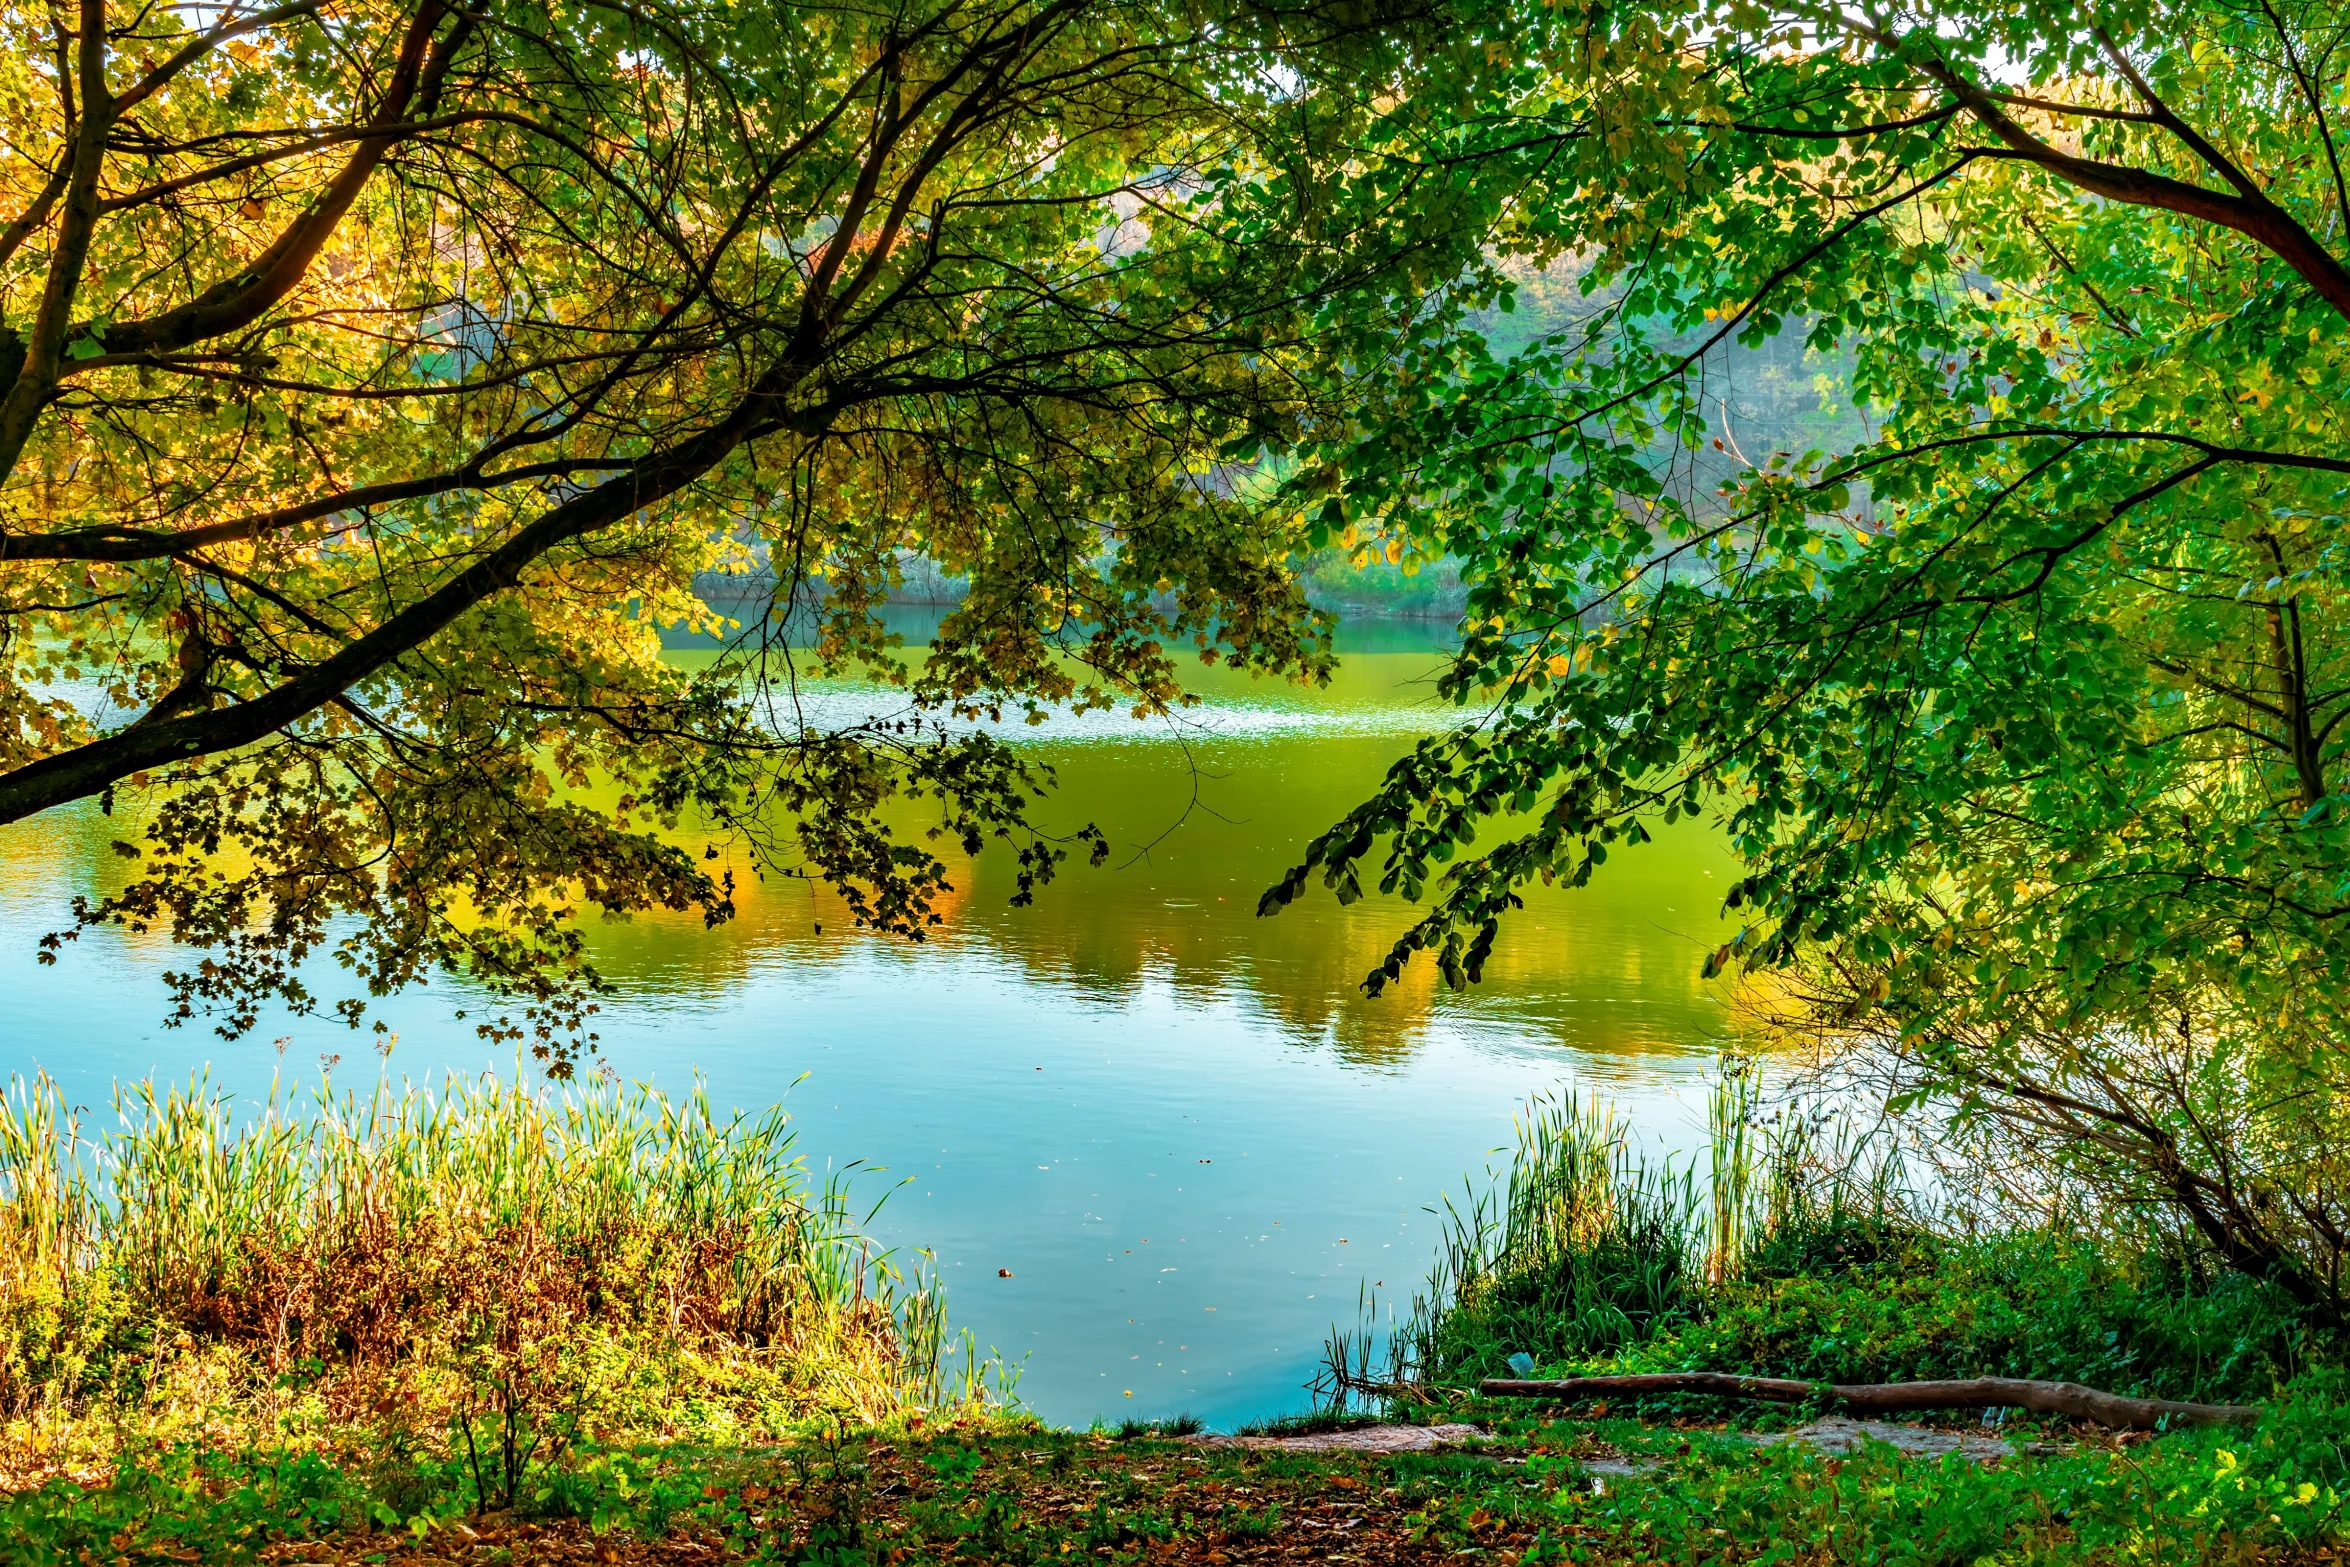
point(1879, 1398)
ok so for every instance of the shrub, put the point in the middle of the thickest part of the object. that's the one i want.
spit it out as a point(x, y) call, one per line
point(1800, 1261)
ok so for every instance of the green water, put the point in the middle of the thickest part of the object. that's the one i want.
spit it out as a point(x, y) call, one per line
point(1183, 1128)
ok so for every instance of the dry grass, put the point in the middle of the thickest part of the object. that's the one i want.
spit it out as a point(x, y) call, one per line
point(611, 1257)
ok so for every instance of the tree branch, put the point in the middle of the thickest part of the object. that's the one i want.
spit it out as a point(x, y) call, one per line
point(2249, 213)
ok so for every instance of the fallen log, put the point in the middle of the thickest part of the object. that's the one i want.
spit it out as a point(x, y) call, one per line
point(1880, 1398)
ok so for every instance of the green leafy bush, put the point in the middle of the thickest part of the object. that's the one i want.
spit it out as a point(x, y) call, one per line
point(1582, 1258)
point(2039, 1304)
point(2196, 1496)
point(202, 1506)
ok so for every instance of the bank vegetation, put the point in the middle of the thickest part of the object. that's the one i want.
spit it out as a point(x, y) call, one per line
point(474, 1270)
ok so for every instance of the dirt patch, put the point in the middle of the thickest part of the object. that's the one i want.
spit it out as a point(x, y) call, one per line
point(1362, 1439)
point(1840, 1435)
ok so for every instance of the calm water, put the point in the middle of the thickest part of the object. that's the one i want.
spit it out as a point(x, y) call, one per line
point(1182, 1128)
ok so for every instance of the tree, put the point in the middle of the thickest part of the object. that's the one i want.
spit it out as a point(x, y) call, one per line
point(375, 378)
point(2025, 705)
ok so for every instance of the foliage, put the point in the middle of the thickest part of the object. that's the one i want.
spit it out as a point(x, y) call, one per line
point(374, 380)
point(2048, 1305)
point(1582, 1250)
point(1374, 587)
point(478, 1271)
point(1831, 1279)
point(2022, 697)
point(206, 1503)
point(2206, 1497)
point(1028, 1495)
point(1583, 1258)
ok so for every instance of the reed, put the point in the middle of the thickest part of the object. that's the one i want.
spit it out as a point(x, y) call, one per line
point(611, 1251)
point(1584, 1247)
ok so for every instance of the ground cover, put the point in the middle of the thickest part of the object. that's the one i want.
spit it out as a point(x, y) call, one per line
point(527, 1427)
point(1007, 1493)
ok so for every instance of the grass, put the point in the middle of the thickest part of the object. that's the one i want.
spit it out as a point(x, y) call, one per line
point(1776, 1256)
point(1580, 1248)
point(1779, 1255)
point(2274, 1493)
point(708, 1260)
point(476, 1268)
point(1002, 1491)
point(1313, 1422)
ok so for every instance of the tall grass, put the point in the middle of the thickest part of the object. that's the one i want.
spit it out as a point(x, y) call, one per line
point(1579, 1248)
point(612, 1250)
point(1793, 1244)
point(1586, 1247)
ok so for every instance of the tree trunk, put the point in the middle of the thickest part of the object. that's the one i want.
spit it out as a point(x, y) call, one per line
point(1877, 1398)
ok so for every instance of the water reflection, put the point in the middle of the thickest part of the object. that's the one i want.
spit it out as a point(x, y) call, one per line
point(1207, 810)
point(1611, 968)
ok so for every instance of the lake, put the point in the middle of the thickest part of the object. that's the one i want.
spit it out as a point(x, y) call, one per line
point(1184, 1131)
